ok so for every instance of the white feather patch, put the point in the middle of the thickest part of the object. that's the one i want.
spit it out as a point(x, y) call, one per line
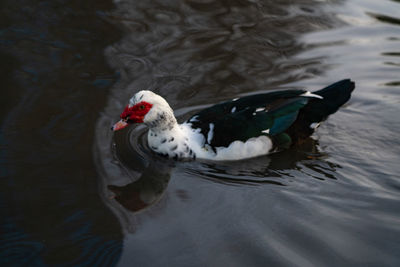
point(210, 134)
point(309, 94)
point(266, 131)
point(314, 125)
point(240, 150)
point(237, 150)
point(194, 119)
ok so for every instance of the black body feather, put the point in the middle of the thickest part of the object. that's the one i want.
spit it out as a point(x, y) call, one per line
point(285, 116)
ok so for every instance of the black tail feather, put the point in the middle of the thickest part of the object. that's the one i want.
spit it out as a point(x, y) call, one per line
point(334, 96)
point(317, 110)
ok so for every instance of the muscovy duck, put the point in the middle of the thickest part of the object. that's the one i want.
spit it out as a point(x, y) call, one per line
point(237, 129)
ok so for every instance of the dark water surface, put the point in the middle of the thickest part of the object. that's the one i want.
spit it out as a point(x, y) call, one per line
point(74, 194)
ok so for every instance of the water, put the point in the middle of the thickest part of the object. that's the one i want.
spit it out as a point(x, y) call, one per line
point(72, 193)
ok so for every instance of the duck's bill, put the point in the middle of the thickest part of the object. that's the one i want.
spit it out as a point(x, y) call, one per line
point(119, 125)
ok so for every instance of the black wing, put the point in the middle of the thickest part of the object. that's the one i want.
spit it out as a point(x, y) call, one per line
point(250, 116)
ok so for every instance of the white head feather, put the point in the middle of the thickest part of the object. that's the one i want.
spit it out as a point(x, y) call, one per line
point(160, 116)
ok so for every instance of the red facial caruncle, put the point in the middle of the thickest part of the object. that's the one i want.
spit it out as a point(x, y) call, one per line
point(134, 114)
point(137, 112)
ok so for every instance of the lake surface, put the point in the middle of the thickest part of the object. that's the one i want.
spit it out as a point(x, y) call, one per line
point(75, 194)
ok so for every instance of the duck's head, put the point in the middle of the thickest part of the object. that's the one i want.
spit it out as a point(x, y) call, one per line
point(148, 108)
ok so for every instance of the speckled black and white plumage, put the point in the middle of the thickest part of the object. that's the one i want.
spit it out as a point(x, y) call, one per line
point(241, 128)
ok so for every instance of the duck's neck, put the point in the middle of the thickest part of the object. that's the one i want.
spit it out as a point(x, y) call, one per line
point(170, 141)
point(164, 121)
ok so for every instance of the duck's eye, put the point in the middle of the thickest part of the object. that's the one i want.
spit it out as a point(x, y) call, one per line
point(141, 107)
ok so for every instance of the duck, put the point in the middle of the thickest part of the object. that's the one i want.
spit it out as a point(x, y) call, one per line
point(236, 129)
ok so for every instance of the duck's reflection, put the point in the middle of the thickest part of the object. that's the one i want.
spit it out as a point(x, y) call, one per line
point(139, 178)
point(145, 191)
